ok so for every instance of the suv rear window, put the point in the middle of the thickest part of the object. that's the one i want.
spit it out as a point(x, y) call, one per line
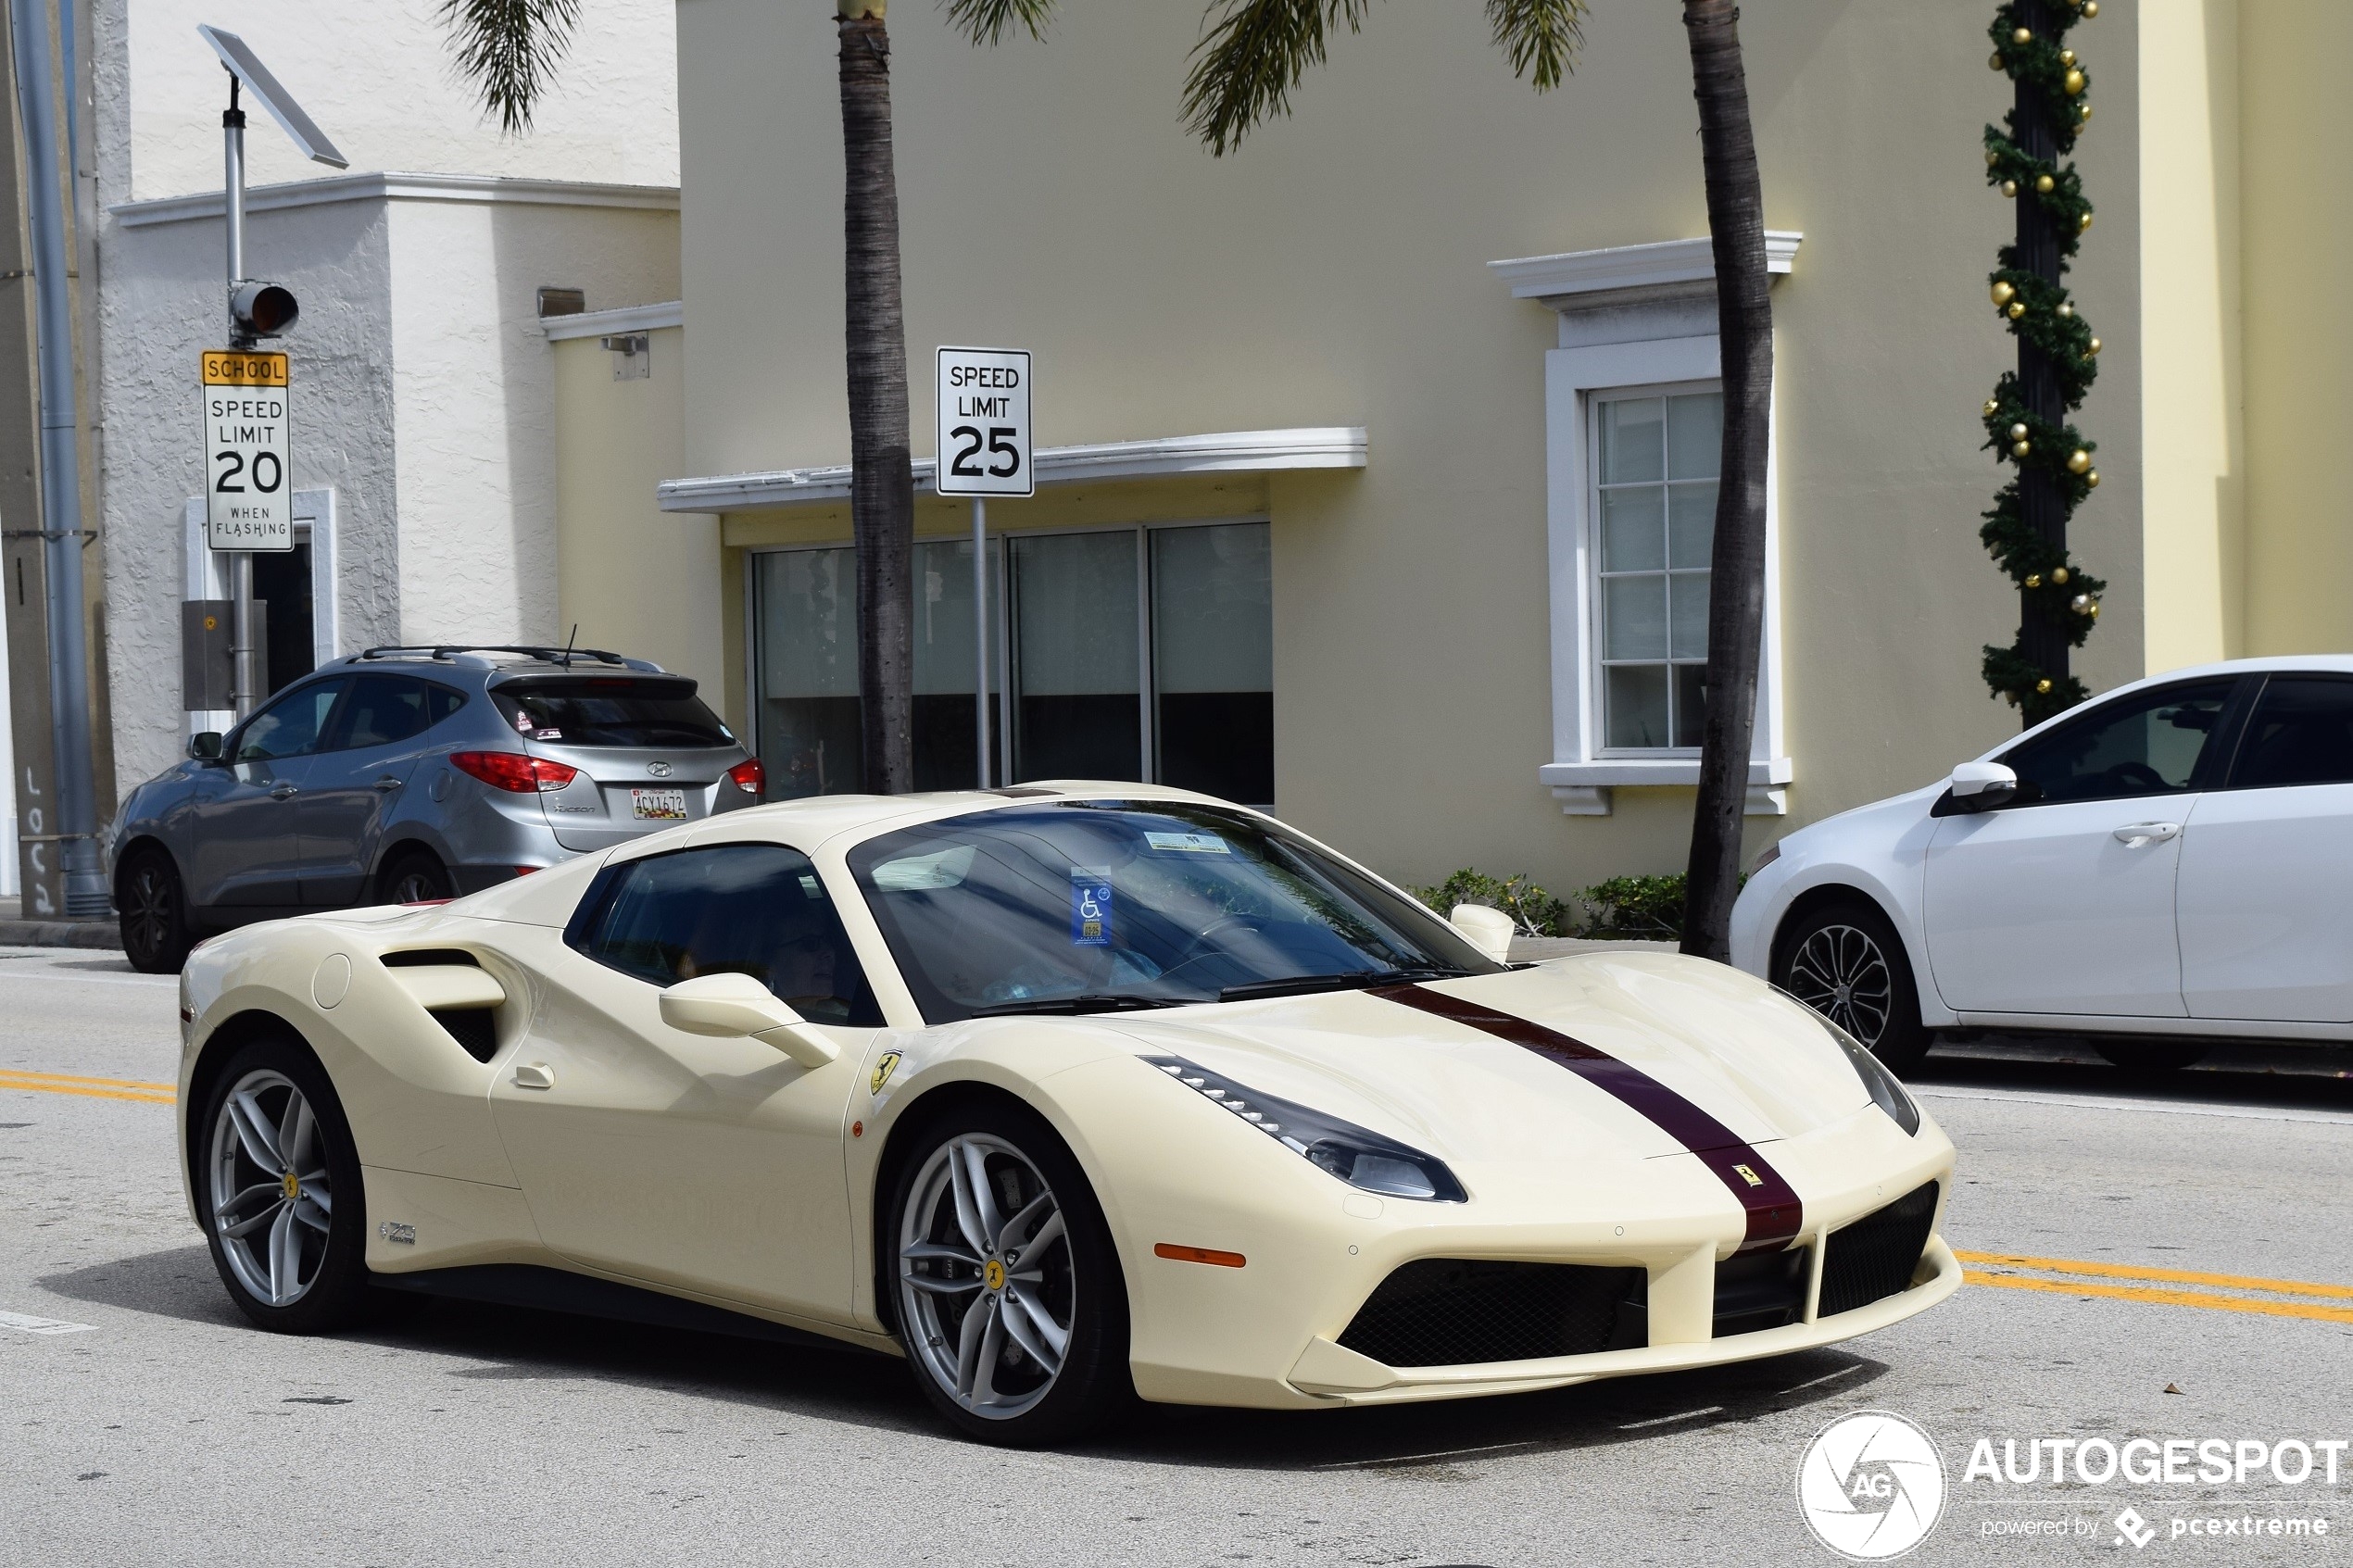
point(609, 711)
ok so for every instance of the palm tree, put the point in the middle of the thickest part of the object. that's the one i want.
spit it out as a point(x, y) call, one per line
point(1254, 53)
point(510, 49)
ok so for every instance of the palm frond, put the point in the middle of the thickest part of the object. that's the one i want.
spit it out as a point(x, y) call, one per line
point(1541, 37)
point(1251, 54)
point(987, 21)
point(509, 50)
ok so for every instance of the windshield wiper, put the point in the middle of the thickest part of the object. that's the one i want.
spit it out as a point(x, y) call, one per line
point(1093, 1001)
point(1354, 980)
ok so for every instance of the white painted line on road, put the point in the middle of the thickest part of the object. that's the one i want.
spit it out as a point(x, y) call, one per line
point(43, 1325)
point(1422, 1459)
point(2162, 1107)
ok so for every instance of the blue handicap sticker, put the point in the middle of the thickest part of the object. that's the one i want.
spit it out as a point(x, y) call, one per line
point(1090, 908)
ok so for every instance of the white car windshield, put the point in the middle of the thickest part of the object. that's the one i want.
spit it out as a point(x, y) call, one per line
point(1103, 905)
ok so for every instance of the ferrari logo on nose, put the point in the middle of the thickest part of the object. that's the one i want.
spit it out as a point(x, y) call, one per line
point(1750, 1177)
point(992, 1274)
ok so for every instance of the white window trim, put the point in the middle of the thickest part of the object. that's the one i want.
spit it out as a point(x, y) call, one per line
point(1583, 772)
point(205, 575)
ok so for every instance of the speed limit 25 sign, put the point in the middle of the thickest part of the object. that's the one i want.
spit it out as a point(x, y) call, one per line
point(248, 498)
point(984, 422)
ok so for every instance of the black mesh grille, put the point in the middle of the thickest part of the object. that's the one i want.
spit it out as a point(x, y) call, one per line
point(471, 1027)
point(1454, 1312)
point(1760, 1290)
point(1873, 1257)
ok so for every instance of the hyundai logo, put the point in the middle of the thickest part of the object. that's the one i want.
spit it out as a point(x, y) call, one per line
point(659, 770)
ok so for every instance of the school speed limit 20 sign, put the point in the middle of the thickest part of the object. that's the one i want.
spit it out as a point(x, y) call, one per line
point(984, 422)
point(248, 498)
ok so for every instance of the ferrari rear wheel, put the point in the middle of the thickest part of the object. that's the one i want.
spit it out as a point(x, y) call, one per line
point(1846, 962)
point(278, 1190)
point(1007, 1293)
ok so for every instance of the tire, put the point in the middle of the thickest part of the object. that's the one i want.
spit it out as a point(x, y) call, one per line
point(1076, 1288)
point(286, 1271)
point(151, 913)
point(2156, 1056)
point(1846, 962)
point(415, 876)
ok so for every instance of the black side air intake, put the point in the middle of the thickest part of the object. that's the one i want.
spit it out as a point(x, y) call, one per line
point(1456, 1312)
point(1874, 1257)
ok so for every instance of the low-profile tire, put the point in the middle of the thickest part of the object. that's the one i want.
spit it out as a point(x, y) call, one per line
point(1846, 962)
point(2155, 1056)
point(983, 1181)
point(278, 1191)
point(415, 876)
point(151, 907)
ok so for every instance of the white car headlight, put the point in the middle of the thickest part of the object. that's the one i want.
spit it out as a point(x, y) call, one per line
point(1356, 1155)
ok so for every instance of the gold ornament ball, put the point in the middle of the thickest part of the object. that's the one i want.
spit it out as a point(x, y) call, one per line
point(2059, 575)
point(2010, 187)
point(2066, 312)
point(2022, 35)
point(2043, 687)
point(2003, 290)
point(2067, 57)
point(2018, 308)
point(2093, 479)
point(2094, 347)
point(1992, 407)
point(2018, 432)
point(2074, 83)
point(1996, 62)
point(2020, 448)
point(2083, 222)
point(2079, 461)
point(1992, 158)
point(2091, 9)
point(2083, 111)
point(2033, 578)
point(2045, 183)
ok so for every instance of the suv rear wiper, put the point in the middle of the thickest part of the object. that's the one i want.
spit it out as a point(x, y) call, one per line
point(1093, 1001)
point(1354, 979)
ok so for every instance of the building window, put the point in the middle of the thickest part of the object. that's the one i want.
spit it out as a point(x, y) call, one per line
point(1136, 654)
point(1655, 457)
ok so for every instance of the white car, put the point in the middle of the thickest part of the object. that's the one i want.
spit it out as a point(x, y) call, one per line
point(2166, 866)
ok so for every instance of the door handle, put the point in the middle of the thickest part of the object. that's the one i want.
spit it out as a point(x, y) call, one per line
point(285, 792)
point(388, 784)
point(2138, 834)
point(534, 1075)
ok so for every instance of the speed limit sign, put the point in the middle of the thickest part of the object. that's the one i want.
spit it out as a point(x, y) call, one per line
point(984, 422)
point(248, 496)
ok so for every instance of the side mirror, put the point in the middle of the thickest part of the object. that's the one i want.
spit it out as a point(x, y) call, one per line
point(204, 746)
point(733, 1006)
point(1981, 786)
point(1488, 929)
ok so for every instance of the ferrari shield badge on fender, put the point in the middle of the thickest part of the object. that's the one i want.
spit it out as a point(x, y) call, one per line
point(883, 1070)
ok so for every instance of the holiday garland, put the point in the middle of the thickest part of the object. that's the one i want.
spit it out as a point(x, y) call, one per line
point(2025, 419)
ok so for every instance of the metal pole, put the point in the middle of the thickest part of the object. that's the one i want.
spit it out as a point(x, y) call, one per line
point(980, 632)
point(245, 679)
point(60, 464)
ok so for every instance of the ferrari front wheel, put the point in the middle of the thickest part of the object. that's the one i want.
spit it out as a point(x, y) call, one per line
point(1007, 1293)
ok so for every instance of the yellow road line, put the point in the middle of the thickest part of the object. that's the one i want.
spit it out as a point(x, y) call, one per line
point(2171, 1276)
point(89, 1088)
point(2166, 1297)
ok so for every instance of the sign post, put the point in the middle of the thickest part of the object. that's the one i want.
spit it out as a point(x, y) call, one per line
point(983, 450)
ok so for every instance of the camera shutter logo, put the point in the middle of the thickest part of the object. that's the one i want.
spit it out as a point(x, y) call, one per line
point(1871, 1486)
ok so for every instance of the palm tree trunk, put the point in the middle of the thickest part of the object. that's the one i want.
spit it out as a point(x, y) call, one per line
point(1736, 591)
point(882, 487)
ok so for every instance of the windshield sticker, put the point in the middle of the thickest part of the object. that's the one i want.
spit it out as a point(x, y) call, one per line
point(1188, 843)
point(918, 873)
point(1090, 908)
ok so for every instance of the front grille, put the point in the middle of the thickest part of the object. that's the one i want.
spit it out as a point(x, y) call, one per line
point(1456, 1311)
point(1874, 1258)
point(1760, 1290)
point(473, 1028)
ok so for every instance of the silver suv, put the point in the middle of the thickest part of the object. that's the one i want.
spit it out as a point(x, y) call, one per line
point(405, 774)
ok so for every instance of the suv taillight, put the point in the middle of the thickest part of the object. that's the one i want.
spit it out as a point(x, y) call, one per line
point(751, 775)
point(512, 771)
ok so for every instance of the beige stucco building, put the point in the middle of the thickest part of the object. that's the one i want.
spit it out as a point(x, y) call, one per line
point(1431, 362)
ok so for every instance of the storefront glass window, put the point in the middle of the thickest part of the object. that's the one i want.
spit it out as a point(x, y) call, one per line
point(1655, 466)
point(1076, 711)
point(1213, 661)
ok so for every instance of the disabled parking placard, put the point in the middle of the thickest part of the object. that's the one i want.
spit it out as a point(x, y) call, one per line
point(1090, 908)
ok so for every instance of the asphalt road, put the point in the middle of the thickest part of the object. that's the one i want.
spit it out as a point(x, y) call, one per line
point(156, 1428)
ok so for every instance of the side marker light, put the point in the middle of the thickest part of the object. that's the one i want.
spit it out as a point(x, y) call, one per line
point(1198, 1255)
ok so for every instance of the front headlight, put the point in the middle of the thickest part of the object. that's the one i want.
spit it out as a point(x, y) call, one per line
point(1356, 1155)
point(1887, 1092)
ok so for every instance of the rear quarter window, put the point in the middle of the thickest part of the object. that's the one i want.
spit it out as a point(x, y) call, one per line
point(610, 710)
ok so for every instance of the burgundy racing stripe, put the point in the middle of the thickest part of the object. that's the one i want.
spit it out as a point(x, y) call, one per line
point(1773, 1206)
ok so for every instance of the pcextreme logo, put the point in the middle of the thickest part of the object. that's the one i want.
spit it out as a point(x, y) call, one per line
point(1871, 1486)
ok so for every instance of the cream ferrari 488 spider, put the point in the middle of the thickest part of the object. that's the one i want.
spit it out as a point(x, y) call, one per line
point(1059, 1092)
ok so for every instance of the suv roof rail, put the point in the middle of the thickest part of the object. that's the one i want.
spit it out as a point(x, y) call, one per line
point(448, 653)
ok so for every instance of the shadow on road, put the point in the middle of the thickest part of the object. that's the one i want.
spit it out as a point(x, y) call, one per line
point(2284, 1077)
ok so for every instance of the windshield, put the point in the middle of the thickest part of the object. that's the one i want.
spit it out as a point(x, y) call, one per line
point(610, 710)
point(1084, 906)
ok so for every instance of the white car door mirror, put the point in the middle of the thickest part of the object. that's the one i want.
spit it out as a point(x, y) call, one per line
point(1488, 929)
point(1981, 786)
point(730, 1006)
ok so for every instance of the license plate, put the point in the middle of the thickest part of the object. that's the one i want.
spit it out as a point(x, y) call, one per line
point(657, 804)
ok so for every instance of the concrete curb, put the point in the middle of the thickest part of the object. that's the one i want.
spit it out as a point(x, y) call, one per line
point(1535, 950)
point(60, 934)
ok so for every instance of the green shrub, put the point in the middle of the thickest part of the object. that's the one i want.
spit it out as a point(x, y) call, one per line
point(1535, 911)
point(1634, 907)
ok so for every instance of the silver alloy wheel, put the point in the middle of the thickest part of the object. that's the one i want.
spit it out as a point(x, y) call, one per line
point(271, 1198)
point(986, 1293)
point(1840, 972)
